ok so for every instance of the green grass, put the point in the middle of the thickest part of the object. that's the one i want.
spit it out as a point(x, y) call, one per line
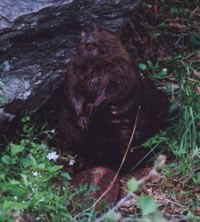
point(178, 72)
point(174, 65)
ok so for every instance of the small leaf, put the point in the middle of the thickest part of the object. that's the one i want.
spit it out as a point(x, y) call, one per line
point(25, 119)
point(40, 167)
point(66, 176)
point(2, 176)
point(54, 169)
point(25, 180)
point(27, 129)
point(15, 149)
point(196, 178)
point(132, 185)
point(6, 159)
point(26, 162)
point(14, 182)
point(147, 205)
point(143, 66)
point(17, 189)
point(10, 205)
point(150, 64)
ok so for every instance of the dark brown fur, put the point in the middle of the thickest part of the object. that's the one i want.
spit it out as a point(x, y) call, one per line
point(102, 94)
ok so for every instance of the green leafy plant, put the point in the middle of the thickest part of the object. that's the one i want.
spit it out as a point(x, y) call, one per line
point(32, 183)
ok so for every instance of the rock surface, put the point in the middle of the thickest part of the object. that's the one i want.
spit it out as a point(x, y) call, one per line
point(37, 39)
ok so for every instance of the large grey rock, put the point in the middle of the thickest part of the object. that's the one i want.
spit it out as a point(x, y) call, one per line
point(37, 39)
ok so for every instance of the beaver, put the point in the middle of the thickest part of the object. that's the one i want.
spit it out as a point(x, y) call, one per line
point(102, 94)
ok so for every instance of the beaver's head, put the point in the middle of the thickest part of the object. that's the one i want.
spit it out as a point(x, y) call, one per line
point(97, 41)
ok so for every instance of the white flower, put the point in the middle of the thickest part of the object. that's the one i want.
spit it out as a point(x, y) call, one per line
point(71, 162)
point(42, 199)
point(52, 156)
point(35, 173)
point(52, 131)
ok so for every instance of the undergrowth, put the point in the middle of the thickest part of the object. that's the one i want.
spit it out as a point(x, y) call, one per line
point(30, 181)
point(177, 69)
point(33, 185)
point(174, 65)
